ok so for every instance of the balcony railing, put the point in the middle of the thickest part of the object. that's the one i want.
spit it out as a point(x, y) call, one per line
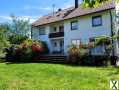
point(56, 35)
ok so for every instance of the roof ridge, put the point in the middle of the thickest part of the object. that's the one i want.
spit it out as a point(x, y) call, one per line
point(72, 12)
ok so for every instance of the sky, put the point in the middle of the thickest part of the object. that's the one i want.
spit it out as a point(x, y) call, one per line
point(31, 9)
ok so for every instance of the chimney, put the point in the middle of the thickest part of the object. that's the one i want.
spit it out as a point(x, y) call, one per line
point(59, 9)
point(76, 4)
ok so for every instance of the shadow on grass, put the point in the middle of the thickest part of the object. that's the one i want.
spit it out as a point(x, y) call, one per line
point(65, 64)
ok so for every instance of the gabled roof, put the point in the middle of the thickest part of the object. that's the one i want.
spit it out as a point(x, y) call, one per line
point(72, 13)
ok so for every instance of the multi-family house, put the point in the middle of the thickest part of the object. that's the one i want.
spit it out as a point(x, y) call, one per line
point(76, 25)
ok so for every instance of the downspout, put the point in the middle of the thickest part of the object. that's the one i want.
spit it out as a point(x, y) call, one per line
point(112, 33)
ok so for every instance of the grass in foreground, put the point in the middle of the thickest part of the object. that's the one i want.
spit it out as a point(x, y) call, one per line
point(55, 77)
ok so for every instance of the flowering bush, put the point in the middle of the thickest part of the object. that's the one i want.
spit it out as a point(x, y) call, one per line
point(37, 48)
point(28, 50)
point(76, 53)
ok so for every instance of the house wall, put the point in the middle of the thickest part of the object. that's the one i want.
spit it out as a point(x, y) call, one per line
point(35, 33)
point(45, 37)
point(85, 29)
point(84, 32)
point(116, 27)
point(55, 25)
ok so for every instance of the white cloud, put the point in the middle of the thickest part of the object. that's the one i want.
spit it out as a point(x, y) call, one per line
point(70, 3)
point(28, 7)
point(30, 18)
point(5, 17)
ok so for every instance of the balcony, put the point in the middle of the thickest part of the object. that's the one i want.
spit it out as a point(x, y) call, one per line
point(56, 35)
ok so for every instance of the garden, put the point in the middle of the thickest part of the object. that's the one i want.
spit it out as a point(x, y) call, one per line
point(19, 71)
point(35, 76)
point(16, 44)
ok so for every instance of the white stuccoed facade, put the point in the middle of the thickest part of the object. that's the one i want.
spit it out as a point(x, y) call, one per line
point(117, 32)
point(84, 32)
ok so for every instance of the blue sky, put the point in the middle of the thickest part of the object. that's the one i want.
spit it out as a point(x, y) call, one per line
point(31, 9)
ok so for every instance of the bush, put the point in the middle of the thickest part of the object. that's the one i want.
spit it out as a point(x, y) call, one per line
point(75, 54)
point(3, 39)
point(26, 51)
point(17, 39)
point(94, 60)
point(81, 55)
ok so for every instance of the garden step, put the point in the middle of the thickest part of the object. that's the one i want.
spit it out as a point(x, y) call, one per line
point(52, 59)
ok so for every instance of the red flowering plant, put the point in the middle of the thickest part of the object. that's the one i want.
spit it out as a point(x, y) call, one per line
point(37, 48)
point(29, 50)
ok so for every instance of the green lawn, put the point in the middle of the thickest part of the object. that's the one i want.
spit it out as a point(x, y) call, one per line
point(55, 77)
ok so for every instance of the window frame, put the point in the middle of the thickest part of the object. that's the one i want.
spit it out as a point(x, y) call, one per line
point(42, 28)
point(75, 21)
point(61, 28)
point(95, 17)
point(76, 42)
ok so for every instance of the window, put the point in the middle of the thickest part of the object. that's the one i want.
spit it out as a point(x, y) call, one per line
point(97, 21)
point(55, 44)
point(74, 25)
point(61, 43)
point(76, 42)
point(54, 29)
point(61, 28)
point(42, 31)
point(98, 49)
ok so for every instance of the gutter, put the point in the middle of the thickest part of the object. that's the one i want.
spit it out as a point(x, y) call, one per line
point(62, 19)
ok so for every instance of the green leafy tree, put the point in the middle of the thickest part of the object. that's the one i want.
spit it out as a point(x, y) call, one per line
point(20, 26)
point(3, 37)
point(94, 3)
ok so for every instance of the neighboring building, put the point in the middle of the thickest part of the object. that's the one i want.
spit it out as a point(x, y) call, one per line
point(77, 25)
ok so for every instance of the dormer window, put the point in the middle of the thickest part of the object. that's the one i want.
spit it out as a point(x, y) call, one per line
point(49, 17)
point(58, 14)
point(97, 21)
